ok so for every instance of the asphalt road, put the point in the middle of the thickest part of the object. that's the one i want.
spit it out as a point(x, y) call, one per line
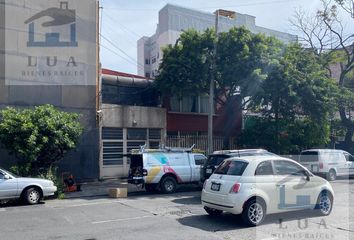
point(159, 217)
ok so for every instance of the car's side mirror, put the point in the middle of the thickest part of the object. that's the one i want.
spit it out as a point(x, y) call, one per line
point(7, 177)
point(307, 174)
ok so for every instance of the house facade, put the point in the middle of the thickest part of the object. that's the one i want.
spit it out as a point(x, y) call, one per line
point(130, 116)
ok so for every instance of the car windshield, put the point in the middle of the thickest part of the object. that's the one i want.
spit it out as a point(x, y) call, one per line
point(230, 167)
point(9, 173)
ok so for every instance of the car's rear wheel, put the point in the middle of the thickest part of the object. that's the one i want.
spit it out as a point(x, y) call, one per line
point(168, 185)
point(212, 212)
point(331, 175)
point(32, 195)
point(324, 204)
point(254, 213)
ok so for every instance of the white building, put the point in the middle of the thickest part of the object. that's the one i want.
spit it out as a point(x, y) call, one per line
point(174, 19)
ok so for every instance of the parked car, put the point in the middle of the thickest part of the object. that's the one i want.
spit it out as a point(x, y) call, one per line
point(329, 163)
point(31, 190)
point(163, 169)
point(217, 157)
point(256, 186)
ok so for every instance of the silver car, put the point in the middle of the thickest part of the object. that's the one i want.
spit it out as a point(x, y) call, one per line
point(31, 190)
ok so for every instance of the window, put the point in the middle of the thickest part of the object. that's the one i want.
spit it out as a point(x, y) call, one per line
point(112, 133)
point(112, 153)
point(147, 61)
point(235, 168)
point(132, 96)
point(2, 175)
point(215, 160)
point(204, 104)
point(349, 157)
point(264, 168)
point(175, 104)
point(153, 60)
point(310, 156)
point(190, 104)
point(199, 159)
point(136, 134)
point(154, 145)
point(155, 134)
point(288, 168)
point(147, 75)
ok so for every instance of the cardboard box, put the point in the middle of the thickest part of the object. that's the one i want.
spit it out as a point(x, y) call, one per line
point(118, 192)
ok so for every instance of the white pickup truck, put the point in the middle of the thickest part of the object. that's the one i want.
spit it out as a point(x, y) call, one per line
point(163, 169)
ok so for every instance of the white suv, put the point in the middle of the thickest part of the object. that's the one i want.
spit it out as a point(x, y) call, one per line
point(259, 185)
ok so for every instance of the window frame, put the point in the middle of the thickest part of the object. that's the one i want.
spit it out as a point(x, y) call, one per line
point(272, 165)
point(203, 159)
point(245, 165)
point(289, 162)
point(348, 157)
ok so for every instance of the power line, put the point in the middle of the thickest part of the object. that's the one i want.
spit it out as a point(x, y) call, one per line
point(122, 26)
point(114, 52)
point(122, 51)
point(128, 39)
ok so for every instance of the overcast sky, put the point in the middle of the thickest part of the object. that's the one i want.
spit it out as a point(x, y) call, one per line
point(124, 22)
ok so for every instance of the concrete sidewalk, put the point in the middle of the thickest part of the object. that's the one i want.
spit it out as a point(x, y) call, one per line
point(100, 188)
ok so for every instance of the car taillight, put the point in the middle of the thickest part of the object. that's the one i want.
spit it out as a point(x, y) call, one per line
point(235, 188)
point(321, 165)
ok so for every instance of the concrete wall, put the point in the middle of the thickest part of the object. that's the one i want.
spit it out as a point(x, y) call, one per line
point(133, 116)
point(126, 117)
point(83, 162)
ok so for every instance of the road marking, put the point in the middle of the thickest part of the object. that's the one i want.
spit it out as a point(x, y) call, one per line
point(121, 219)
point(85, 204)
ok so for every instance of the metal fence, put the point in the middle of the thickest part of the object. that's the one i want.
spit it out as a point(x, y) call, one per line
point(201, 142)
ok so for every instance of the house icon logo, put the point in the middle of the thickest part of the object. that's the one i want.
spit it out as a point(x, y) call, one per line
point(61, 16)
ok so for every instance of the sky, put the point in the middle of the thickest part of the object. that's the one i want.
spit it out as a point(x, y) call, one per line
point(123, 22)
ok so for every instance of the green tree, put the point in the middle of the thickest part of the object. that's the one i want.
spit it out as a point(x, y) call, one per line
point(328, 33)
point(296, 99)
point(240, 64)
point(38, 137)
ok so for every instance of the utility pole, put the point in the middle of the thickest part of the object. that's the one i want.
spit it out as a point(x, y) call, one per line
point(230, 15)
point(211, 90)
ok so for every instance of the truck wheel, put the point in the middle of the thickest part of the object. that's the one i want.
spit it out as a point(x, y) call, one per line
point(32, 195)
point(168, 185)
point(331, 175)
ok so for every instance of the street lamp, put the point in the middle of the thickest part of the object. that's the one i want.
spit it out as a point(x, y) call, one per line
point(230, 15)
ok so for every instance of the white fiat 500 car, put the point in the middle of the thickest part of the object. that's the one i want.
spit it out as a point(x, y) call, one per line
point(31, 190)
point(260, 185)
